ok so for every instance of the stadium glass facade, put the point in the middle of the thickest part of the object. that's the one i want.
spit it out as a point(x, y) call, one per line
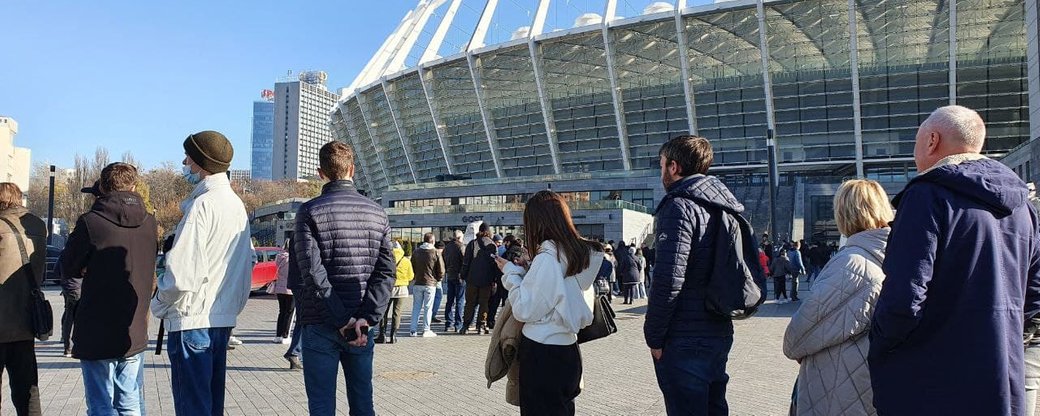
point(844, 85)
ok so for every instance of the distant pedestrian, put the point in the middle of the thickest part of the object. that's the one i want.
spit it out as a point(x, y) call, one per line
point(689, 344)
point(391, 321)
point(23, 238)
point(498, 293)
point(429, 271)
point(552, 295)
point(767, 246)
point(289, 269)
point(641, 261)
point(480, 273)
point(795, 256)
point(826, 334)
point(207, 279)
point(628, 271)
point(438, 296)
point(114, 245)
point(342, 243)
point(780, 269)
point(70, 292)
point(281, 291)
point(962, 273)
point(454, 286)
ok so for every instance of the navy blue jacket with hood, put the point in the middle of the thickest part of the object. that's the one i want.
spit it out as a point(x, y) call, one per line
point(962, 269)
point(343, 252)
point(685, 252)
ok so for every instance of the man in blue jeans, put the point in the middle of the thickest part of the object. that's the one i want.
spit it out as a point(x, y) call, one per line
point(454, 286)
point(112, 250)
point(347, 270)
point(207, 278)
point(689, 345)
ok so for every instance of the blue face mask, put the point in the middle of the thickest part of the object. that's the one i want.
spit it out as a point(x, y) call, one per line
point(192, 177)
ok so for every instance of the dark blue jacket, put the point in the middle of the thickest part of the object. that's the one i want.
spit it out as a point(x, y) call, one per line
point(343, 250)
point(685, 251)
point(627, 266)
point(962, 265)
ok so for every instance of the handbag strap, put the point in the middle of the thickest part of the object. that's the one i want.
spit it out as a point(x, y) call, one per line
point(25, 256)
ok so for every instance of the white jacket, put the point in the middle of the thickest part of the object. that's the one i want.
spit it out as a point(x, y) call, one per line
point(209, 269)
point(552, 308)
point(829, 331)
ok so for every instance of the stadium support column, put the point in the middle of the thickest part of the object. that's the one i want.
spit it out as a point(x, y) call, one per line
point(684, 66)
point(767, 85)
point(437, 126)
point(354, 142)
point(615, 90)
point(489, 128)
point(953, 52)
point(536, 65)
point(857, 121)
point(380, 155)
point(400, 135)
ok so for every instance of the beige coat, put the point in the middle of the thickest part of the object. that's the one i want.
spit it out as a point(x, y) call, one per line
point(31, 231)
point(828, 333)
point(501, 359)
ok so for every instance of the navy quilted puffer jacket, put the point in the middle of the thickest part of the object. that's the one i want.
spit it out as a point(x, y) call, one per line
point(343, 250)
point(685, 250)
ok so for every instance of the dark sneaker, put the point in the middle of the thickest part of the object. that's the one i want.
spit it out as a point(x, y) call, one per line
point(294, 363)
point(436, 321)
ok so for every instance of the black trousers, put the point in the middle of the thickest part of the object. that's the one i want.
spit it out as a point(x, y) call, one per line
point(551, 377)
point(68, 318)
point(19, 360)
point(498, 299)
point(476, 296)
point(285, 314)
point(629, 290)
point(779, 287)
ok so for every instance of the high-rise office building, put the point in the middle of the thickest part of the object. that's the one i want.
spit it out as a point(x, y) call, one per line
point(14, 161)
point(263, 136)
point(301, 125)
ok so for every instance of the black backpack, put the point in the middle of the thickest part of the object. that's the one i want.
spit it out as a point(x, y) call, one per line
point(732, 289)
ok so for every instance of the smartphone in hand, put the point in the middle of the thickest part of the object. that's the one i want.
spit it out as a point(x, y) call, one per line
point(352, 335)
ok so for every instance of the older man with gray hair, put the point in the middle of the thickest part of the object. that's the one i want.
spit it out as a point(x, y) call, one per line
point(963, 275)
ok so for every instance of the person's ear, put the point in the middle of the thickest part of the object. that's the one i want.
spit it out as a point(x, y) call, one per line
point(934, 140)
point(321, 175)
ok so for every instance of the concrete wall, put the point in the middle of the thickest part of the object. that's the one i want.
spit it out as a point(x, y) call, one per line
point(638, 226)
point(14, 161)
point(285, 150)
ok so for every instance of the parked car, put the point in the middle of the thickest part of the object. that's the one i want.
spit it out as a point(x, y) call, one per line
point(264, 270)
point(51, 276)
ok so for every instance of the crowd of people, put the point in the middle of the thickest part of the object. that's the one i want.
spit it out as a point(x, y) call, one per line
point(931, 307)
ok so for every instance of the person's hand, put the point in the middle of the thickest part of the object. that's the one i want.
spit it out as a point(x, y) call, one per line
point(523, 261)
point(360, 327)
point(656, 353)
point(350, 324)
point(501, 262)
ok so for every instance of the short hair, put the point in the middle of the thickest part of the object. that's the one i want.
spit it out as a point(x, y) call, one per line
point(429, 238)
point(10, 195)
point(692, 153)
point(960, 123)
point(336, 159)
point(459, 235)
point(861, 205)
point(117, 177)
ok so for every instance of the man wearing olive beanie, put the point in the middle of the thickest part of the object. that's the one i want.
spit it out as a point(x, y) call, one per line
point(207, 278)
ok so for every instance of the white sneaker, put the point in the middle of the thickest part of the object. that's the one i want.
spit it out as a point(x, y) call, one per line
point(286, 341)
point(67, 355)
point(429, 334)
point(234, 341)
point(277, 340)
point(412, 334)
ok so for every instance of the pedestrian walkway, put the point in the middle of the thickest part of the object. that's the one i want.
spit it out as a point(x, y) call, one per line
point(445, 375)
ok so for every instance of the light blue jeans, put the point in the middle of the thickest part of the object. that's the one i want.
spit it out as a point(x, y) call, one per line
point(422, 306)
point(114, 386)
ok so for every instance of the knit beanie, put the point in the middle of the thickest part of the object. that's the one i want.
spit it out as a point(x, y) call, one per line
point(210, 150)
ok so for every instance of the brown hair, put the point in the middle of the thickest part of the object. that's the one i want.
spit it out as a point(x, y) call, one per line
point(692, 153)
point(547, 217)
point(336, 159)
point(10, 195)
point(117, 176)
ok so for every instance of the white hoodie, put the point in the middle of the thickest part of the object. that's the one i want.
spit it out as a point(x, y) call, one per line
point(553, 308)
point(209, 270)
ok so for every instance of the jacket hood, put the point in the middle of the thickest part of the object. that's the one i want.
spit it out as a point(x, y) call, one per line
point(398, 253)
point(125, 209)
point(706, 190)
point(873, 241)
point(987, 181)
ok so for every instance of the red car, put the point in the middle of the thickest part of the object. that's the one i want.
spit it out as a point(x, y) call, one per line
point(264, 270)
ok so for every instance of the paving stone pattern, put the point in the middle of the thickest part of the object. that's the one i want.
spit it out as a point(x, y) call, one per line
point(444, 375)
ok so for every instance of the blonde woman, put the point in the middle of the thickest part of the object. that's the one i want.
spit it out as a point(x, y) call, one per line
point(828, 333)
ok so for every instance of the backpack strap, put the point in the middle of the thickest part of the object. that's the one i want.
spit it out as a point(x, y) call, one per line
point(25, 256)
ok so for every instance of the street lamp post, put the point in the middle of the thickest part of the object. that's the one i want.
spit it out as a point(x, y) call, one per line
point(50, 208)
point(774, 179)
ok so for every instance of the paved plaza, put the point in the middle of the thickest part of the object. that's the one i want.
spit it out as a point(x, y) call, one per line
point(445, 375)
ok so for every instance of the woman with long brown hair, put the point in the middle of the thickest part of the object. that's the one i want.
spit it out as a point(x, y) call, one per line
point(553, 296)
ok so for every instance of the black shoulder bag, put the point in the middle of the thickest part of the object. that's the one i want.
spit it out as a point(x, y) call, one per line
point(39, 307)
point(602, 321)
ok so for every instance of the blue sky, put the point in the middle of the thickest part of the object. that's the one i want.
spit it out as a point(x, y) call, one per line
point(140, 76)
